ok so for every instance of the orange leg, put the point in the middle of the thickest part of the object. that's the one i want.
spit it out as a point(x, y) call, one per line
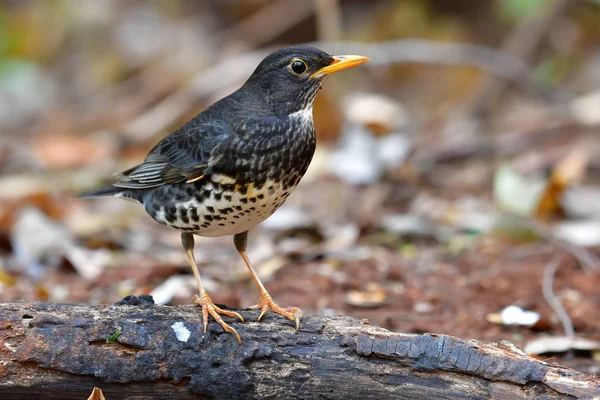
point(266, 302)
point(208, 307)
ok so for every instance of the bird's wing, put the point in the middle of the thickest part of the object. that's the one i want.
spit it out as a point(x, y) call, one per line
point(180, 157)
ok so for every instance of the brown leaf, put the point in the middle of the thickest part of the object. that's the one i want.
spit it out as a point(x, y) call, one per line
point(374, 296)
point(6, 279)
point(569, 170)
point(327, 116)
point(70, 151)
point(49, 204)
point(96, 395)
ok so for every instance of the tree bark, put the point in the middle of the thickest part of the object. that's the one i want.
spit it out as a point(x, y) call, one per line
point(61, 351)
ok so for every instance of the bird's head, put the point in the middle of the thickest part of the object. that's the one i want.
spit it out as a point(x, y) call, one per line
point(288, 80)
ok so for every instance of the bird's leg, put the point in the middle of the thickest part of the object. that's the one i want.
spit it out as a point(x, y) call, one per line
point(202, 299)
point(266, 302)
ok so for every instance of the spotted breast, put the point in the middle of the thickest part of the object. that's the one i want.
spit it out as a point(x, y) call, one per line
point(245, 186)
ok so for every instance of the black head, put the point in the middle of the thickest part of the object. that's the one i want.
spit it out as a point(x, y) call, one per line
point(288, 80)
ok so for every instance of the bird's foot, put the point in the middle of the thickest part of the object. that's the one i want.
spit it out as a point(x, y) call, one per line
point(209, 308)
point(266, 303)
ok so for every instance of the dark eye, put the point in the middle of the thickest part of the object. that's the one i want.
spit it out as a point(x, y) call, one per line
point(298, 67)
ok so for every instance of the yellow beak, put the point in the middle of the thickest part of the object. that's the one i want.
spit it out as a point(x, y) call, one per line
point(339, 63)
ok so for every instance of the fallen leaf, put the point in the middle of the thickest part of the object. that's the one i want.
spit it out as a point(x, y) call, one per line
point(516, 193)
point(374, 296)
point(38, 242)
point(71, 151)
point(177, 285)
point(585, 108)
point(569, 170)
point(560, 344)
point(268, 269)
point(96, 395)
point(580, 233)
point(327, 116)
point(41, 244)
point(42, 292)
point(581, 202)
point(355, 160)
point(7, 279)
point(406, 224)
point(381, 114)
point(288, 217)
point(514, 315)
point(10, 207)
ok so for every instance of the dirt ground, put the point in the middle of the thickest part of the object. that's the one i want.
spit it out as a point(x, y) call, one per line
point(405, 283)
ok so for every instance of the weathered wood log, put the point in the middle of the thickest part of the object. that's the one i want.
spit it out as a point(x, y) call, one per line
point(61, 351)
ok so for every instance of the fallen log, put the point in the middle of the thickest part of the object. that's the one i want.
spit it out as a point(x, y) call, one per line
point(137, 350)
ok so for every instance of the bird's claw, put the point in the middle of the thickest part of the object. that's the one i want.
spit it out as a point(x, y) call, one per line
point(266, 304)
point(209, 308)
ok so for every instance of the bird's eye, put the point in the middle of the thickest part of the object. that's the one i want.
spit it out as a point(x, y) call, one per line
point(298, 67)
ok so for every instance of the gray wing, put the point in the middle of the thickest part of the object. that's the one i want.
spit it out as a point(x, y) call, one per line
point(182, 156)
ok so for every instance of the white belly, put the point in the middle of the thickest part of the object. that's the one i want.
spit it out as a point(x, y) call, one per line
point(229, 213)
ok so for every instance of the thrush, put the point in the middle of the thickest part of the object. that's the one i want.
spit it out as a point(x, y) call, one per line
point(229, 168)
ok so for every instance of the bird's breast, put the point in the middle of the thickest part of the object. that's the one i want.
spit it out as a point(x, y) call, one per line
point(220, 206)
point(251, 181)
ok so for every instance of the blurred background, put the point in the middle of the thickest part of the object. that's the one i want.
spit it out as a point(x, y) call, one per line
point(455, 188)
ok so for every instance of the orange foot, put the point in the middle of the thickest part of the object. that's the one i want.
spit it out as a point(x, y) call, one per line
point(208, 307)
point(266, 304)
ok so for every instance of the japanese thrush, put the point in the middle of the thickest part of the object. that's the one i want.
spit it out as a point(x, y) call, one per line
point(235, 163)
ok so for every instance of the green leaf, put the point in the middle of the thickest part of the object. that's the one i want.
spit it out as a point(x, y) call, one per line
point(114, 336)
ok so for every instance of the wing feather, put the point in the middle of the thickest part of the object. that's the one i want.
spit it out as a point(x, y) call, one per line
point(182, 156)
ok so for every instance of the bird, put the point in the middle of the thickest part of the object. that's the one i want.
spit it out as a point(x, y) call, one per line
point(235, 163)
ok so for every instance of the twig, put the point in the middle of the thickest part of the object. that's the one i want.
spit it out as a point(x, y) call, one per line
point(269, 22)
point(254, 31)
point(521, 43)
point(329, 19)
point(234, 70)
point(501, 64)
point(551, 298)
point(588, 261)
point(510, 143)
point(218, 77)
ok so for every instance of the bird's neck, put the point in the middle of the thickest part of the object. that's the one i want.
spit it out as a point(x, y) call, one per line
point(247, 105)
point(303, 116)
point(300, 105)
point(258, 99)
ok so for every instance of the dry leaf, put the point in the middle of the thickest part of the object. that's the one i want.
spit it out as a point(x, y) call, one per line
point(42, 244)
point(327, 117)
point(559, 344)
point(96, 395)
point(70, 151)
point(381, 114)
point(514, 315)
point(374, 296)
point(579, 232)
point(6, 279)
point(585, 108)
point(516, 193)
point(569, 170)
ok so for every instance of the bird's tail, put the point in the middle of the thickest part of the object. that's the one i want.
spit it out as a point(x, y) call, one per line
point(109, 190)
point(136, 196)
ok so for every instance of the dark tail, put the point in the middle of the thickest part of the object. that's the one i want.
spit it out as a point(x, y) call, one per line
point(109, 190)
